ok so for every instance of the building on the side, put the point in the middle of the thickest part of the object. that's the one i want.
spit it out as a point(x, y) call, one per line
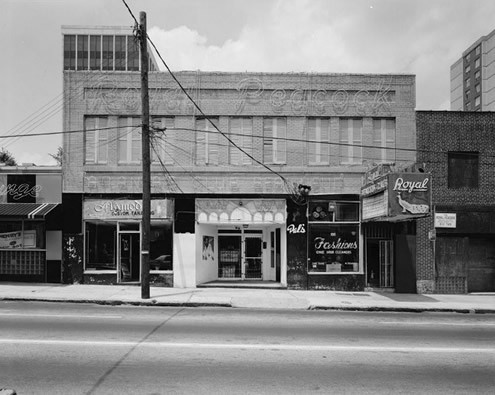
point(456, 246)
point(30, 223)
point(229, 182)
point(472, 77)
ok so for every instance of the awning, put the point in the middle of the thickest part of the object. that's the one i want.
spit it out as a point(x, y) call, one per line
point(26, 210)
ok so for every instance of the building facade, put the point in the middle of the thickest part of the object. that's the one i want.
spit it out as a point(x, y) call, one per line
point(229, 181)
point(30, 223)
point(472, 77)
point(456, 246)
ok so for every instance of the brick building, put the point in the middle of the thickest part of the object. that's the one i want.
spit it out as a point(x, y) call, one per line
point(456, 246)
point(225, 198)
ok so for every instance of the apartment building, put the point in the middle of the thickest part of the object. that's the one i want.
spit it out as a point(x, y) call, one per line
point(472, 77)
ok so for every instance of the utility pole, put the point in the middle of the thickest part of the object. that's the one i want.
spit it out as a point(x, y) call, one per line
point(145, 142)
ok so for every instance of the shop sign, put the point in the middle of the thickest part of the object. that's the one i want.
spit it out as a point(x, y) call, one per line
point(19, 191)
point(124, 209)
point(397, 196)
point(296, 229)
point(445, 220)
point(409, 194)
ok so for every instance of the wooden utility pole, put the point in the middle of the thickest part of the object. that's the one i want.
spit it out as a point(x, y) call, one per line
point(145, 140)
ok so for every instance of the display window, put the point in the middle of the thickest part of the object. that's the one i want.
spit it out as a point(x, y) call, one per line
point(333, 248)
point(161, 246)
point(101, 241)
point(104, 238)
point(22, 235)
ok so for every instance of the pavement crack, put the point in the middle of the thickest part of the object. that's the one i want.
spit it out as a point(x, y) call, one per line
point(102, 379)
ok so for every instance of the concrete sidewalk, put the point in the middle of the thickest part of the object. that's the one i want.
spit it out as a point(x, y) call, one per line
point(248, 298)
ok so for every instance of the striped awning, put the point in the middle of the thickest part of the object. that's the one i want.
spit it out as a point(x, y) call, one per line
point(26, 210)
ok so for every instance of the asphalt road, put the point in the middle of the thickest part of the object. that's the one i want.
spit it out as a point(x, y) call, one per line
point(49, 348)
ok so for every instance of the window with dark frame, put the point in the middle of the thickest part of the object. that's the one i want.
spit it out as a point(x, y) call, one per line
point(463, 170)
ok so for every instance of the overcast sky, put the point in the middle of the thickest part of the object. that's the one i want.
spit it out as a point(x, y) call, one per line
point(421, 37)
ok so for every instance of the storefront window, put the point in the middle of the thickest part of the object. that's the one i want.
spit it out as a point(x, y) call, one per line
point(100, 246)
point(22, 234)
point(161, 246)
point(331, 211)
point(333, 248)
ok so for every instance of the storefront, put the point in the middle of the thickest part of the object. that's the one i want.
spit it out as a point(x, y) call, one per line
point(112, 240)
point(391, 202)
point(240, 240)
point(30, 229)
point(324, 245)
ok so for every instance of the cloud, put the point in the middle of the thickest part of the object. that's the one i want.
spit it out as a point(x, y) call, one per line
point(417, 37)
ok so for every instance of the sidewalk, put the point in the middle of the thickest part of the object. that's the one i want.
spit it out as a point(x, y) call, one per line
point(248, 298)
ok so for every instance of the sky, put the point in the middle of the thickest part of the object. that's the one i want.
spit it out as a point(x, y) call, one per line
point(420, 37)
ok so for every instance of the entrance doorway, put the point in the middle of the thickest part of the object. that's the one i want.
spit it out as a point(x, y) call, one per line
point(379, 263)
point(240, 255)
point(128, 253)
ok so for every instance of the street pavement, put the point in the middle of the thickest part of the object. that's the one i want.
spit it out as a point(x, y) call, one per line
point(249, 298)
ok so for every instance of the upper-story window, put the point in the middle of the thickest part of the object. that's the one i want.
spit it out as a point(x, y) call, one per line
point(69, 52)
point(463, 170)
point(477, 87)
point(163, 140)
point(274, 140)
point(241, 133)
point(96, 140)
point(132, 54)
point(107, 52)
point(468, 81)
point(206, 141)
point(95, 52)
point(129, 147)
point(477, 74)
point(120, 46)
point(351, 134)
point(468, 57)
point(477, 63)
point(478, 50)
point(468, 93)
point(384, 136)
point(467, 69)
point(82, 52)
point(318, 141)
point(477, 101)
point(102, 52)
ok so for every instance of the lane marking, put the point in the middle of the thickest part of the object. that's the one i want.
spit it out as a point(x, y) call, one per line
point(473, 324)
point(228, 346)
point(59, 315)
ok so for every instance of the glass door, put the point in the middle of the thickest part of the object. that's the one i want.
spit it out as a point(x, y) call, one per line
point(229, 254)
point(253, 249)
point(129, 252)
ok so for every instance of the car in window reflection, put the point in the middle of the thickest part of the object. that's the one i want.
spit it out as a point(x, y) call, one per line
point(162, 262)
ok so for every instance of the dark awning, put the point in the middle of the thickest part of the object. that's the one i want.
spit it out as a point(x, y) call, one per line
point(26, 210)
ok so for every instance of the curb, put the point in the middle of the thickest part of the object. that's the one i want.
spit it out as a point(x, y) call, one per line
point(121, 302)
point(153, 302)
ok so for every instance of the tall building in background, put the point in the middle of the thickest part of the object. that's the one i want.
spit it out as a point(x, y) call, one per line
point(472, 77)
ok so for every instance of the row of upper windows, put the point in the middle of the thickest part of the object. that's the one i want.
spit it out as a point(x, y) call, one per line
point(102, 52)
point(477, 51)
point(239, 146)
